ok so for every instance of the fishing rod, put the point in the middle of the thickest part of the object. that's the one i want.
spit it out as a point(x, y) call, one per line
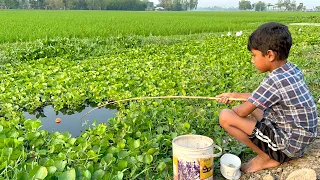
point(162, 97)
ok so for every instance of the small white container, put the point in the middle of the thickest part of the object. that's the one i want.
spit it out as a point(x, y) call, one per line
point(230, 166)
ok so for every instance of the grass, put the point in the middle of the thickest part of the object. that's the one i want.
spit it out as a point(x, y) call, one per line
point(20, 25)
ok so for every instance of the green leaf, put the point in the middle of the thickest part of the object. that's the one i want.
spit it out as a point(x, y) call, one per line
point(160, 130)
point(87, 174)
point(138, 134)
point(161, 166)
point(121, 145)
point(136, 143)
point(122, 164)
point(41, 173)
point(112, 149)
point(148, 158)
point(23, 176)
point(43, 152)
point(174, 134)
point(183, 92)
point(33, 171)
point(91, 154)
point(120, 175)
point(131, 160)
point(217, 129)
point(7, 151)
point(122, 154)
point(140, 158)
point(68, 175)
point(49, 162)
point(219, 140)
point(108, 158)
point(186, 125)
point(3, 165)
point(51, 169)
point(72, 141)
point(152, 150)
point(98, 174)
point(1, 128)
point(36, 124)
point(60, 165)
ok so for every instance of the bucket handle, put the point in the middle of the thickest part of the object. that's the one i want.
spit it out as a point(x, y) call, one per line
point(219, 153)
point(206, 155)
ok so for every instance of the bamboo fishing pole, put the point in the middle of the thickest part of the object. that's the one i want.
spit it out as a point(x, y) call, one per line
point(162, 97)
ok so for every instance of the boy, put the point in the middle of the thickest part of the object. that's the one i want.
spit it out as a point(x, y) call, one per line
point(283, 119)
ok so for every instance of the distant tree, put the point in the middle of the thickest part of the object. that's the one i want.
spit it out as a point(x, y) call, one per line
point(82, 5)
point(150, 6)
point(53, 4)
point(317, 8)
point(286, 4)
point(245, 5)
point(167, 4)
point(23, 4)
point(193, 4)
point(131, 5)
point(177, 4)
point(10, 4)
point(37, 4)
point(260, 6)
point(279, 5)
point(300, 7)
point(289, 5)
point(293, 5)
point(269, 5)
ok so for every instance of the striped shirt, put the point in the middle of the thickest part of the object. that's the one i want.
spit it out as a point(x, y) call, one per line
point(289, 109)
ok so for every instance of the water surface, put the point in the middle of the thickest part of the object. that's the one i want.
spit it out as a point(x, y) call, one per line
point(71, 121)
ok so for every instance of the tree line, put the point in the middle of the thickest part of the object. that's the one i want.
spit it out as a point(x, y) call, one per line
point(131, 5)
point(281, 5)
point(137, 5)
point(141, 5)
point(179, 5)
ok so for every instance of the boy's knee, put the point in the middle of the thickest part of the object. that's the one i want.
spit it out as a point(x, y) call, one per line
point(224, 117)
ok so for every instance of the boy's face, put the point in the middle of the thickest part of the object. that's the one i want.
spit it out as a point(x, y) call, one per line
point(259, 61)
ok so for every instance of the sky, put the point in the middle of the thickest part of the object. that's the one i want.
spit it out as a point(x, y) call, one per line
point(234, 3)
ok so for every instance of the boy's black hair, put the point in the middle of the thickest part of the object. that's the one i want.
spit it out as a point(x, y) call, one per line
point(271, 36)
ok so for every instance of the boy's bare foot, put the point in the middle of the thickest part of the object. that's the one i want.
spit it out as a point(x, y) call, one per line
point(259, 163)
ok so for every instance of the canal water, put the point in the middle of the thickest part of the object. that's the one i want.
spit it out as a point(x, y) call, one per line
point(71, 121)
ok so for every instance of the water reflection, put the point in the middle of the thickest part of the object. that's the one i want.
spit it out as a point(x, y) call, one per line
point(70, 121)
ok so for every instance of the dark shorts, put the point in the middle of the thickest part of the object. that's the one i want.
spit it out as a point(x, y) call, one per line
point(263, 137)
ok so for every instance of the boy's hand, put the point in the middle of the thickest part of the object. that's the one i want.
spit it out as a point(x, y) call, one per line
point(224, 97)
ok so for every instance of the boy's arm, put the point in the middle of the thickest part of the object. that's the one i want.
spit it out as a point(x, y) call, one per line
point(224, 97)
point(243, 95)
point(244, 109)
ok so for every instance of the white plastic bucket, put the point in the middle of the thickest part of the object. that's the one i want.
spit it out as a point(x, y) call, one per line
point(193, 157)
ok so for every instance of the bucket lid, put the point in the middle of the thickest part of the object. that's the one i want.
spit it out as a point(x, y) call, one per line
point(192, 142)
